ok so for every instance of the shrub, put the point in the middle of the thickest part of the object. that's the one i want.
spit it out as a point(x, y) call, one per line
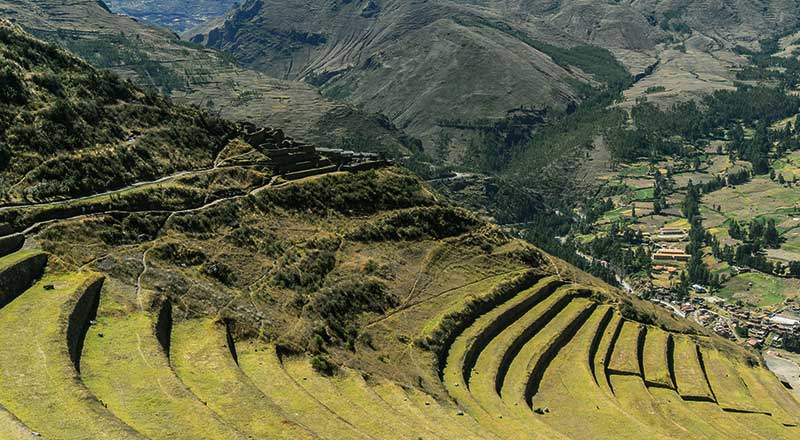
point(339, 305)
point(307, 274)
point(179, 254)
point(12, 89)
point(323, 366)
point(360, 193)
point(220, 271)
point(415, 224)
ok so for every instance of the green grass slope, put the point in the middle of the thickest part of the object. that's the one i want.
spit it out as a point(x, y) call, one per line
point(41, 386)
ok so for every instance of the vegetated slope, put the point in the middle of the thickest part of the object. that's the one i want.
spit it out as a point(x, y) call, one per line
point(421, 62)
point(250, 301)
point(67, 129)
point(178, 15)
point(155, 57)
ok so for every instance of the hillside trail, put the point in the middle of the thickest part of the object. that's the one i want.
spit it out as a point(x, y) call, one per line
point(33, 227)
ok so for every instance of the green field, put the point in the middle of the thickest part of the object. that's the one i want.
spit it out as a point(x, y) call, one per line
point(766, 290)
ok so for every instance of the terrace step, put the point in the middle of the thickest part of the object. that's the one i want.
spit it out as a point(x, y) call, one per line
point(602, 355)
point(516, 390)
point(485, 404)
point(466, 349)
point(125, 365)
point(310, 172)
point(262, 364)
point(707, 420)
point(625, 356)
point(11, 428)
point(356, 388)
point(18, 271)
point(689, 374)
point(656, 358)
point(203, 359)
point(341, 400)
point(493, 363)
point(732, 392)
point(11, 243)
point(635, 398)
point(568, 388)
point(425, 410)
point(772, 396)
point(41, 333)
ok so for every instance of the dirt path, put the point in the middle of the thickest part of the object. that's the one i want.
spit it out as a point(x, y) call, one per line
point(109, 192)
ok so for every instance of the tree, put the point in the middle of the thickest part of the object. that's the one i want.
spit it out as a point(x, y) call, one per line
point(691, 204)
point(12, 88)
point(771, 235)
point(696, 270)
point(442, 145)
point(794, 268)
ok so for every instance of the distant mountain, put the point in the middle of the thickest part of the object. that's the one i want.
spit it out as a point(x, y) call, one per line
point(155, 57)
point(420, 62)
point(177, 15)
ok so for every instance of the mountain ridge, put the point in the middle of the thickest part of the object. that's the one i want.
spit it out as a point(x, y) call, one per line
point(400, 50)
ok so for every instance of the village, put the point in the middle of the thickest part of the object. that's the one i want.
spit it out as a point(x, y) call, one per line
point(779, 328)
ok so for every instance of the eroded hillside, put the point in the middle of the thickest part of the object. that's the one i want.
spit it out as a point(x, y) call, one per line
point(291, 292)
point(424, 62)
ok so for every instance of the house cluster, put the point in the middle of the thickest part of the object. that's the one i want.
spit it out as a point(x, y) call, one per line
point(759, 329)
point(765, 328)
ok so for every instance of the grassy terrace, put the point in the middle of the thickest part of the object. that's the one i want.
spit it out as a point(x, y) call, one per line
point(11, 428)
point(521, 370)
point(724, 378)
point(493, 363)
point(569, 388)
point(262, 365)
point(467, 347)
point(425, 411)
point(353, 387)
point(656, 358)
point(40, 383)
point(706, 419)
point(126, 367)
point(602, 355)
point(200, 355)
point(625, 354)
point(785, 409)
point(484, 400)
point(633, 396)
point(689, 374)
point(351, 403)
point(18, 271)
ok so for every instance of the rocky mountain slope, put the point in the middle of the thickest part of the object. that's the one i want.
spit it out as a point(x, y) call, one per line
point(277, 290)
point(421, 62)
point(153, 56)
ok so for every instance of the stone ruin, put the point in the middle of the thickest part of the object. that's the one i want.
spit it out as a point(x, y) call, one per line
point(295, 160)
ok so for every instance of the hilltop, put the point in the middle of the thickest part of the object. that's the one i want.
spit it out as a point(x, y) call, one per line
point(279, 290)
